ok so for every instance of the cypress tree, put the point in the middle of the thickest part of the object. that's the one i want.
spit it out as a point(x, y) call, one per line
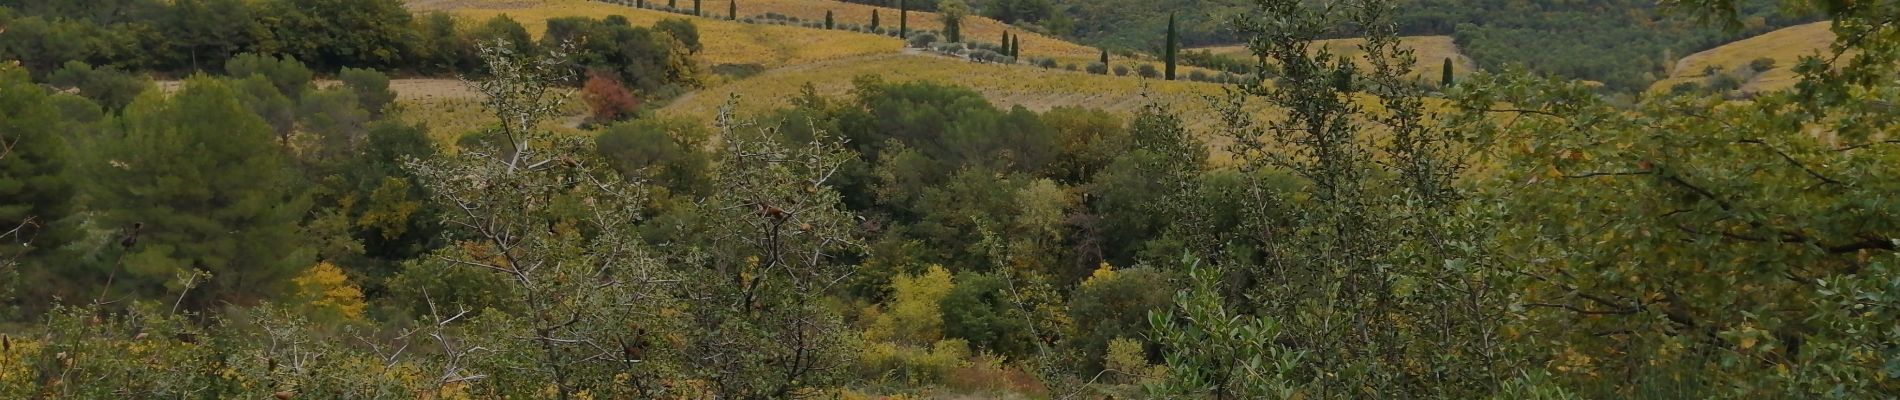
point(696, 11)
point(953, 30)
point(673, 4)
point(732, 11)
point(1104, 56)
point(829, 24)
point(903, 19)
point(1016, 46)
point(874, 21)
point(1444, 77)
point(1005, 43)
point(1170, 49)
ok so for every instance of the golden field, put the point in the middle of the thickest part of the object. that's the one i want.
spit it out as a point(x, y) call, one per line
point(1786, 46)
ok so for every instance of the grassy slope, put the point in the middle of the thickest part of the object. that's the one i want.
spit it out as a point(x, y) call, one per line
point(1785, 46)
point(726, 42)
point(1430, 51)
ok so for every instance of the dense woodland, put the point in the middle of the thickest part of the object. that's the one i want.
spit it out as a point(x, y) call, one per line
point(255, 232)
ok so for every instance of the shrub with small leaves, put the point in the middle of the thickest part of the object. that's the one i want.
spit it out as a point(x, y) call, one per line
point(1762, 64)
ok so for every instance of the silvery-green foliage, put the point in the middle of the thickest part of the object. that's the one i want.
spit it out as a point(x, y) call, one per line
point(542, 211)
point(776, 231)
point(1378, 275)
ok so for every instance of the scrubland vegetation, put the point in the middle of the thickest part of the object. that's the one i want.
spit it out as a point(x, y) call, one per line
point(583, 200)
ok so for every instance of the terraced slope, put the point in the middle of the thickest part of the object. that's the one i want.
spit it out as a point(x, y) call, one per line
point(1785, 46)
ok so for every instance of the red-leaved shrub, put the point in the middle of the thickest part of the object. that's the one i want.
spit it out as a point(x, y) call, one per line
point(606, 98)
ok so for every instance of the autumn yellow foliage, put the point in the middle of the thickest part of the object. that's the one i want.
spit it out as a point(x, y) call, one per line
point(326, 291)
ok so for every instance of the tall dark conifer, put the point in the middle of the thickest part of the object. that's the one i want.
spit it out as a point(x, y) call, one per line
point(874, 19)
point(1444, 75)
point(1170, 48)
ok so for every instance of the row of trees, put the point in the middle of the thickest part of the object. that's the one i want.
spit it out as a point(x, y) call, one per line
point(328, 35)
point(198, 35)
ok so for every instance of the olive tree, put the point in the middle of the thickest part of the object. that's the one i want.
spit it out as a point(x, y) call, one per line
point(541, 211)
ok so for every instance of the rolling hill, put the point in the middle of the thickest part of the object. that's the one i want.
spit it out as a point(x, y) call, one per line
point(1785, 46)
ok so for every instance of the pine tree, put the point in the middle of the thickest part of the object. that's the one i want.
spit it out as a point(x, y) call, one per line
point(209, 190)
point(874, 21)
point(34, 192)
point(829, 23)
point(1170, 48)
point(1444, 77)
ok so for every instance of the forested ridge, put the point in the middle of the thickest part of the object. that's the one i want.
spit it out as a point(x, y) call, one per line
point(271, 226)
